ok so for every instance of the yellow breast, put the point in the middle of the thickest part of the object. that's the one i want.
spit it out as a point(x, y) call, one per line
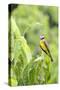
point(42, 45)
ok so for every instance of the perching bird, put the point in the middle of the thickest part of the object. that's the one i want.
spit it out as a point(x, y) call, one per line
point(44, 46)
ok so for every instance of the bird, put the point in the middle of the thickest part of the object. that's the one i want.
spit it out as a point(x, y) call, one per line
point(44, 46)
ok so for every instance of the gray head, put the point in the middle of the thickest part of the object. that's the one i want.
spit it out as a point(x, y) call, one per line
point(41, 37)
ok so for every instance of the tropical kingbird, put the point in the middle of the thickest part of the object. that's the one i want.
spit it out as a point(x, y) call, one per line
point(44, 46)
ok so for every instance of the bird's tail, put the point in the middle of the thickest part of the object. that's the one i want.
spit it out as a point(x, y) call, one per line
point(51, 58)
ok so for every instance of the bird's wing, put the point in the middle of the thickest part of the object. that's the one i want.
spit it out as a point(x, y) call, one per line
point(43, 46)
point(48, 51)
point(43, 49)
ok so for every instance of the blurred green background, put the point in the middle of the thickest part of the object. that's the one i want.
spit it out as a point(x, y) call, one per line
point(28, 65)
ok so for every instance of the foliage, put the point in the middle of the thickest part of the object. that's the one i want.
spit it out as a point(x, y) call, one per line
point(29, 65)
